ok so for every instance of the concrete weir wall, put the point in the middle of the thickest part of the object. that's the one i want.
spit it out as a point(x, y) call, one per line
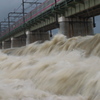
point(75, 26)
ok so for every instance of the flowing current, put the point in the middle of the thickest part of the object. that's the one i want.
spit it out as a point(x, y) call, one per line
point(60, 69)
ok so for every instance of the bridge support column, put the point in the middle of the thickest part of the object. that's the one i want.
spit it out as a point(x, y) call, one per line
point(6, 44)
point(62, 25)
point(30, 37)
point(18, 42)
point(42, 36)
point(75, 26)
point(36, 36)
point(3, 43)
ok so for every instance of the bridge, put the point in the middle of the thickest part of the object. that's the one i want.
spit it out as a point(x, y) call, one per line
point(72, 17)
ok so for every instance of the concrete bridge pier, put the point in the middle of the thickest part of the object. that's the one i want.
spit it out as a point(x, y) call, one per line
point(6, 44)
point(62, 25)
point(45, 36)
point(75, 26)
point(18, 41)
point(30, 37)
point(3, 44)
point(39, 36)
point(36, 36)
point(42, 36)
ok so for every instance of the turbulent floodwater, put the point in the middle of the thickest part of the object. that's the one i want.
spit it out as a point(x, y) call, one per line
point(60, 69)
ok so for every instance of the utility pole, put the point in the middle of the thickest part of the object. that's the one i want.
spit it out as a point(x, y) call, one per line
point(0, 29)
point(5, 25)
point(9, 15)
point(56, 16)
point(9, 22)
point(23, 11)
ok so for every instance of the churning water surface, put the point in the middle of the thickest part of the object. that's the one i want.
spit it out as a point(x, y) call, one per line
point(60, 69)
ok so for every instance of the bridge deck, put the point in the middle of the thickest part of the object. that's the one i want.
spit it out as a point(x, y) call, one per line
point(77, 8)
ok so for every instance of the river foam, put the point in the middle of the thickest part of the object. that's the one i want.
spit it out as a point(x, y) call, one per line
point(60, 69)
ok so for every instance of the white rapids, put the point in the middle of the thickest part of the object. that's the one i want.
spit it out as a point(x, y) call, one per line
point(60, 69)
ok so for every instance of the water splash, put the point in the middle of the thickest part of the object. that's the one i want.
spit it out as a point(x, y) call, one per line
point(60, 69)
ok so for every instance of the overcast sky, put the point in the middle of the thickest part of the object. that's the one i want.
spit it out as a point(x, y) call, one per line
point(7, 6)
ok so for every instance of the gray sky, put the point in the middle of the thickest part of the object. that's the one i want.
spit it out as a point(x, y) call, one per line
point(7, 6)
point(97, 28)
